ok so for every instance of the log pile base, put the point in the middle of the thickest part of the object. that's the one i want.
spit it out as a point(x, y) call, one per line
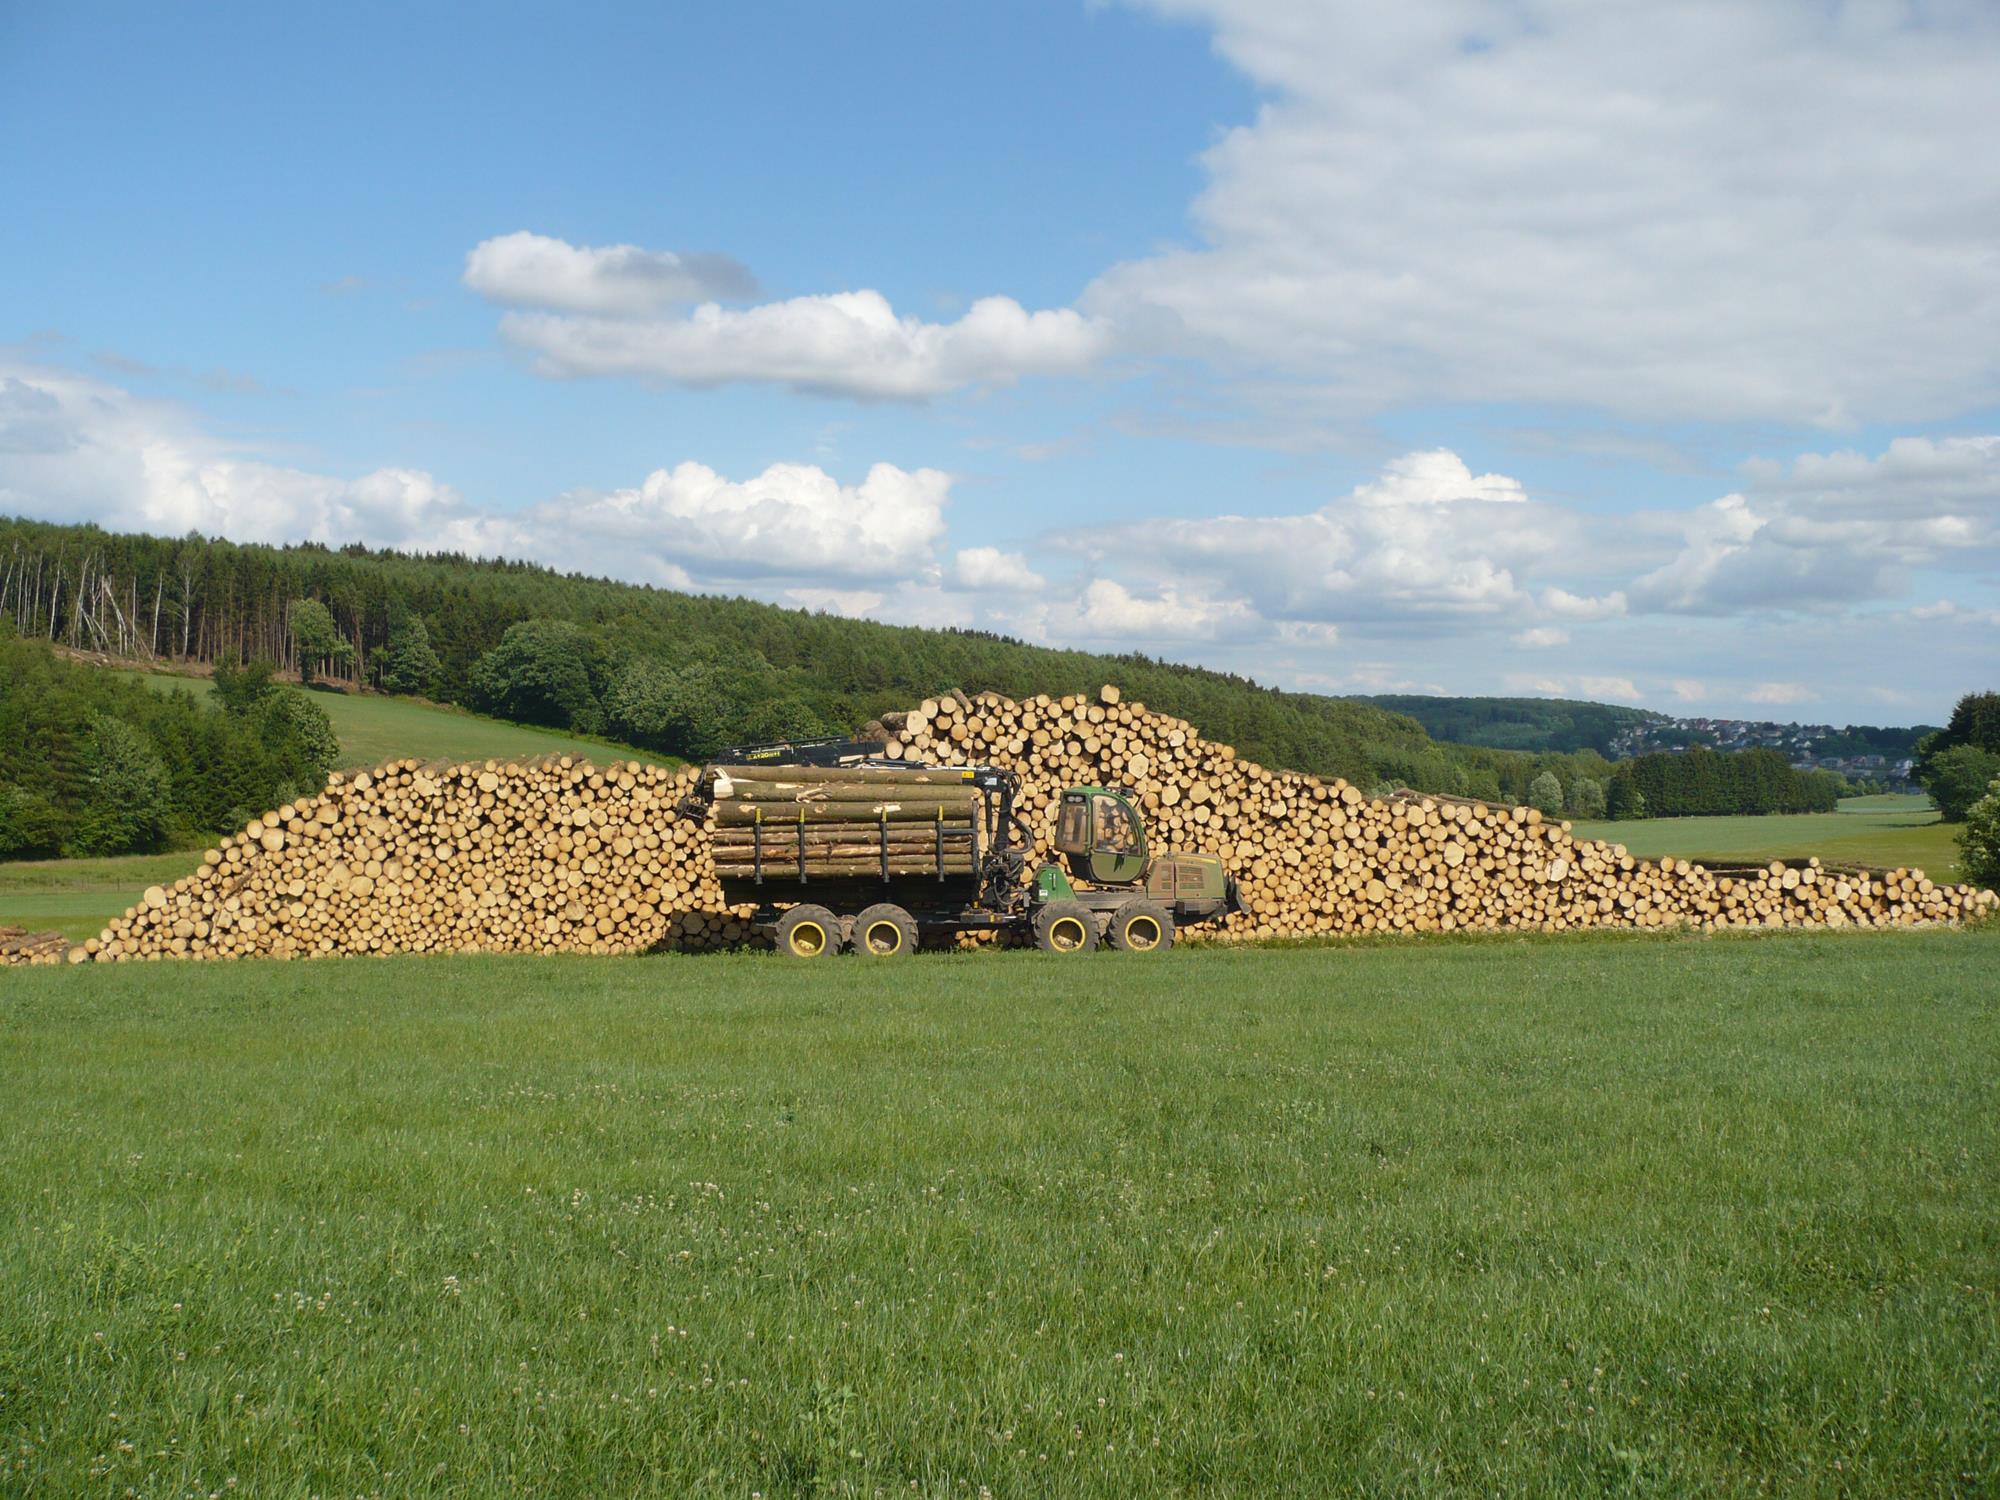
point(558, 856)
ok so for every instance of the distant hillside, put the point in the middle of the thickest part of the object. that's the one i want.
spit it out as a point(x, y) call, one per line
point(678, 673)
point(1556, 725)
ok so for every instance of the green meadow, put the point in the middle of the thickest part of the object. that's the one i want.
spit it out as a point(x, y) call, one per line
point(374, 727)
point(1891, 830)
point(1616, 1215)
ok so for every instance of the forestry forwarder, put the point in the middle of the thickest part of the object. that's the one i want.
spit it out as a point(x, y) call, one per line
point(840, 847)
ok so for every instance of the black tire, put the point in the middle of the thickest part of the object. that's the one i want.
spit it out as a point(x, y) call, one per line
point(1065, 927)
point(808, 932)
point(1141, 926)
point(885, 930)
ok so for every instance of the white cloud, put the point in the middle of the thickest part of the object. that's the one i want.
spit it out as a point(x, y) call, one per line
point(1620, 689)
point(73, 448)
point(1781, 693)
point(854, 603)
point(989, 570)
point(1528, 682)
point(1436, 477)
point(1834, 530)
point(1426, 540)
point(1946, 610)
point(1688, 690)
point(1107, 611)
point(849, 344)
point(1705, 210)
point(533, 270)
point(1542, 636)
point(791, 521)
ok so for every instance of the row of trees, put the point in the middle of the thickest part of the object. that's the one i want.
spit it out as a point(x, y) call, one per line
point(93, 762)
point(1718, 783)
point(670, 670)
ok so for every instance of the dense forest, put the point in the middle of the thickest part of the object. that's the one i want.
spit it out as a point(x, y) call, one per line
point(1533, 724)
point(94, 762)
point(684, 673)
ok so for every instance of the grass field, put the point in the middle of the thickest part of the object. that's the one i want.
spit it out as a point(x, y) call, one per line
point(1621, 1215)
point(1886, 830)
point(373, 729)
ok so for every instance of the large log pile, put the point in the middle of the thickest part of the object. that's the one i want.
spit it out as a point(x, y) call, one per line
point(547, 856)
point(558, 856)
point(1316, 856)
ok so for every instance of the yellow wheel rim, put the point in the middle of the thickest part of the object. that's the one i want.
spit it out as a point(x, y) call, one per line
point(1142, 933)
point(1066, 934)
point(884, 938)
point(808, 940)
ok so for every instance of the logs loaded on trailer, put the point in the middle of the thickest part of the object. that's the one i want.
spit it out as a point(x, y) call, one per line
point(555, 855)
point(833, 845)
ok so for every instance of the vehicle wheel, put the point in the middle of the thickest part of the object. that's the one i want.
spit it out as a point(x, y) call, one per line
point(1065, 927)
point(808, 932)
point(1141, 927)
point(885, 930)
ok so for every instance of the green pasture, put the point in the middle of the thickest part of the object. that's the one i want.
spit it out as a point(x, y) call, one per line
point(373, 728)
point(1891, 830)
point(1620, 1215)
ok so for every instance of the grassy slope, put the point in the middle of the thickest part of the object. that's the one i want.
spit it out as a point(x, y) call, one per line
point(373, 729)
point(1625, 1215)
point(1885, 830)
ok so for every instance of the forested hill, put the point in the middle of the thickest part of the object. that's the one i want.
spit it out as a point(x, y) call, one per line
point(681, 672)
point(1532, 724)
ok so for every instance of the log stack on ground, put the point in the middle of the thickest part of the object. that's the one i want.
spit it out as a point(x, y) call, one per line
point(19, 946)
point(558, 856)
point(544, 856)
point(1315, 856)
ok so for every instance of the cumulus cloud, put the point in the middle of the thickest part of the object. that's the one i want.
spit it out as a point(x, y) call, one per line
point(791, 521)
point(73, 448)
point(1707, 210)
point(848, 344)
point(1541, 637)
point(1425, 540)
point(1781, 693)
point(1108, 611)
point(1832, 530)
point(534, 270)
point(989, 570)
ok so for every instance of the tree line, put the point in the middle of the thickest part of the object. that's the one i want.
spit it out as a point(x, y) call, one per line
point(95, 762)
point(687, 674)
point(681, 673)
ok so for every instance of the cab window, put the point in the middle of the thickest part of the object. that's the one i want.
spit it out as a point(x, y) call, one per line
point(1115, 834)
point(1073, 829)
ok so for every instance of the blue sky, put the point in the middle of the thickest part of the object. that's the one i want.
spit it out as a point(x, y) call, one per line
point(1483, 347)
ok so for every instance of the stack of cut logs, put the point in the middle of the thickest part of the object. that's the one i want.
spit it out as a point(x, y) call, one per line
point(546, 856)
point(900, 822)
point(1316, 856)
point(557, 856)
point(19, 946)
